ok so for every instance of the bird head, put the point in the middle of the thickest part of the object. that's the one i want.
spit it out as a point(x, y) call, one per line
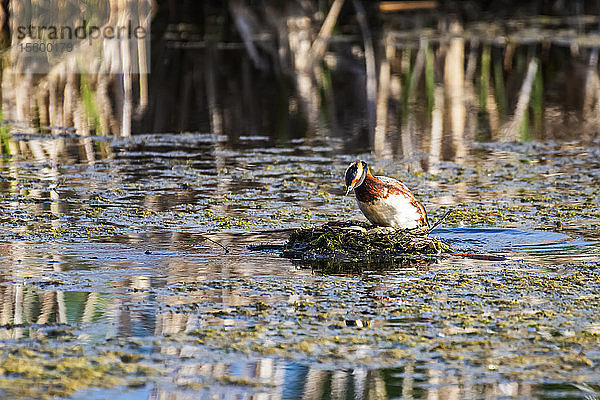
point(355, 175)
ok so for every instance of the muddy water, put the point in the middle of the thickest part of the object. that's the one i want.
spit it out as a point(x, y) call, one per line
point(124, 265)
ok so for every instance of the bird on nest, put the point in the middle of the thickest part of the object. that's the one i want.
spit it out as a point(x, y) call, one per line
point(383, 200)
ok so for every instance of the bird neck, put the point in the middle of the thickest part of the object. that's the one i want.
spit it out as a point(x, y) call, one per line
point(370, 179)
point(368, 190)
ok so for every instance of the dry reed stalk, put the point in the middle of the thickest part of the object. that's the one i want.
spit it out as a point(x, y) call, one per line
point(243, 19)
point(510, 132)
point(109, 124)
point(124, 16)
point(395, 6)
point(216, 121)
point(55, 115)
point(493, 115)
point(70, 94)
point(591, 96)
point(319, 46)
point(42, 101)
point(23, 101)
point(408, 142)
point(509, 52)
point(80, 121)
point(300, 44)
point(472, 60)
point(370, 70)
point(408, 131)
point(379, 140)
point(454, 82)
point(437, 129)
point(144, 18)
point(471, 105)
point(418, 69)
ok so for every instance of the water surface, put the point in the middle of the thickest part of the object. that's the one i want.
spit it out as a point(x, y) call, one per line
point(142, 249)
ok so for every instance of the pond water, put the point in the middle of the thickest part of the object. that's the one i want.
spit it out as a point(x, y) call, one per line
point(124, 265)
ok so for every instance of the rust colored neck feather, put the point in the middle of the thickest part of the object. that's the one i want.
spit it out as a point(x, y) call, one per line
point(370, 189)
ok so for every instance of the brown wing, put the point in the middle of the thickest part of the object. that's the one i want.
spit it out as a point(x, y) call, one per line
point(394, 186)
point(398, 188)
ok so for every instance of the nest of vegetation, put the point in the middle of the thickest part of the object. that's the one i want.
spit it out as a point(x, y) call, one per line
point(346, 243)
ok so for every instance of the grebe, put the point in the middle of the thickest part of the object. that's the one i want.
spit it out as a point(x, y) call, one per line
point(384, 201)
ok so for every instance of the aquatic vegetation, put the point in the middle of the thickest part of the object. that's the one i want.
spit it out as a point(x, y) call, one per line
point(45, 372)
point(463, 318)
point(358, 242)
point(475, 216)
point(100, 230)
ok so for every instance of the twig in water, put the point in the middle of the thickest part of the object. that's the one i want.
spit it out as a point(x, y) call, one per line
point(266, 247)
point(217, 243)
point(486, 257)
point(439, 221)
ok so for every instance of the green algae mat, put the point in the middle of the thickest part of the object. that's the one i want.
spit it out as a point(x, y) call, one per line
point(351, 245)
point(46, 371)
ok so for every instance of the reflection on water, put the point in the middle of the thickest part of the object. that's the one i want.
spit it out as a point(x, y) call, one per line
point(495, 239)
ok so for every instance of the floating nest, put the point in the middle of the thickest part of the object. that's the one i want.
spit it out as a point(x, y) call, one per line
point(344, 246)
